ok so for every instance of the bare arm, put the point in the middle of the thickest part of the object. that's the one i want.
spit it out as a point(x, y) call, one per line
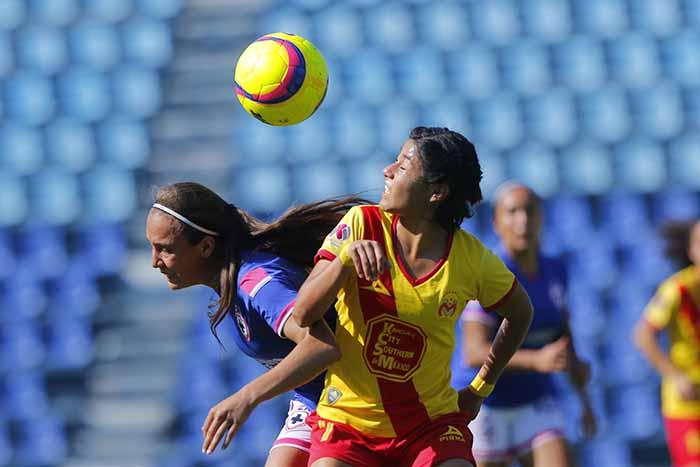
point(477, 343)
point(645, 339)
point(316, 349)
point(318, 291)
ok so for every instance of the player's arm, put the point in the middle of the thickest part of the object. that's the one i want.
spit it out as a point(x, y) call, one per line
point(579, 370)
point(316, 349)
point(646, 339)
point(477, 343)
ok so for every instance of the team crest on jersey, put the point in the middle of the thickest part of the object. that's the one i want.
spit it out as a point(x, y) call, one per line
point(333, 395)
point(242, 324)
point(341, 233)
point(393, 349)
point(557, 294)
point(448, 306)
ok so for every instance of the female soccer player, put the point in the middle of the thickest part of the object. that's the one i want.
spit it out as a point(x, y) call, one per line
point(256, 270)
point(676, 309)
point(401, 271)
point(522, 419)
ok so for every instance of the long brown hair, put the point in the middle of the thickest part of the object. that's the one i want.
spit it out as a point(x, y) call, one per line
point(677, 236)
point(296, 235)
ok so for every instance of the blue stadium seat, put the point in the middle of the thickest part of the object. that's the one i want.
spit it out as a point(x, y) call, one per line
point(55, 197)
point(635, 60)
point(42, 49)
point(70, 144)
point(536, 166)
point(43, 443)
point(317, 181)
point(262, 189)
point(339, 31)
point(526, 67)
point(593, 263)
point(355, 134)
point(684, 163)
point(124, 142)
point(309, 141)
point(660, 111)
point(14, 206)
point(474, 70)
point(75, 293)
point(498, 121)
point(6, 448)
point(640, 165)
point(660, 18)
point(552, 117)
point(84, 94)
point(55, 12)
point(22, 152)
point(29, 98)
point(647, 265)
point(288, 18)
point(109, 10)
point(683, 61)
point(370, 76)
point(259, 143)
point(164, 9)
point(604, 18)
point(147, 42)
point(547, 20)
point(45, 249)
point(22, 346)
point(636, 411)
point(365, 177)
point(7, 59)
point(7, 254)
point(200, 386)
point(445, 25)
point(497, 22)
point(609, 451)
point(675, 205)
point(110, 194)
point(493, 166)
point(22, 296)
point(14, 13)
point(605, 114)
point(625, 218)
point(450, 111)
point(571, 218)
point(104, 244)
point(396, 120)
point(587, 315)
point(94, 44)
point(23, 395)
point(390, 27)
point(69, 346)
point(136, 91)
point(586, 168)
point(580, 63)
point(415, 82)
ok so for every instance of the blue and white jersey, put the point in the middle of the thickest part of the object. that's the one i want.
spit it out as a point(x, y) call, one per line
point(547, 292)
point(267, 291)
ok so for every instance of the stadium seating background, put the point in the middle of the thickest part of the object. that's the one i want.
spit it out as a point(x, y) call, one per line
point(594, 103)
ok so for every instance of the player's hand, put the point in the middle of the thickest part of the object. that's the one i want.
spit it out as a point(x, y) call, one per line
point(226, 416)
point(469, 402)
point(685, 387)
point(553, 357)
point(589, 425)
point(369, 259)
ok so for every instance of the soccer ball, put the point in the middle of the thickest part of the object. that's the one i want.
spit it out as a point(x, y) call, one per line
point(281, 79)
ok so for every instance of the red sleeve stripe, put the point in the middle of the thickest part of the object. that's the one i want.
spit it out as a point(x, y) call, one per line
point(504, 298)
point(323, 254)
point(283, 317)
point(253, 281)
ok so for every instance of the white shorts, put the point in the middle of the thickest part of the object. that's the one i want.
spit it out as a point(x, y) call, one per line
point(504, 433)
point(295, 433)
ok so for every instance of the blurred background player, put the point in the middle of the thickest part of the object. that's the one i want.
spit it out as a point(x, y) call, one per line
point(401, 271)
point(675, 309)
point(256, 270)
point(522, 418)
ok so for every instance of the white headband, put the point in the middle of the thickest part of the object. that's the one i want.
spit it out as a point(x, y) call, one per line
point(185, 220)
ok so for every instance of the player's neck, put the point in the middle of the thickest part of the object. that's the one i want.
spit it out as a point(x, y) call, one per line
point(421, 238)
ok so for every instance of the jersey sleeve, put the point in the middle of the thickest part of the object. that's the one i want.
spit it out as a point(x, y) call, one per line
point(496, 283)
point(662, 306)
point(272, 296)
point(474, 312)
point(349, 229)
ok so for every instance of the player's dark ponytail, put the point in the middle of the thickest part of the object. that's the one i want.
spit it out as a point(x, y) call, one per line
point(677, 237)
point(296, 235)
point(450, 158)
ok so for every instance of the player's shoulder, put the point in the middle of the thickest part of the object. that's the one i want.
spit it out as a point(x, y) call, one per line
point(687, 277)
point(257, 268)
point(467, 244)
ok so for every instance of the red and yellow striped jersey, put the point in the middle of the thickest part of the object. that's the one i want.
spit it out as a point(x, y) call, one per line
point(676, 308)
point(396, 334)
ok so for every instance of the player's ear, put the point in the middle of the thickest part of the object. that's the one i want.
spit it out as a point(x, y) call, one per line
point(206, 246)
point(440, 191)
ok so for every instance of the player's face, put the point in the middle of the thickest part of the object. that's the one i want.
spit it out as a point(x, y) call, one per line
point(518, 220)
point(405, 192)
point(694, 244)
point(180, 262)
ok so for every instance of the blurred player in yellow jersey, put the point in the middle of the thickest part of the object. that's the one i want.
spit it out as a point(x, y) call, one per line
point(676, 309)
point(401, 272)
